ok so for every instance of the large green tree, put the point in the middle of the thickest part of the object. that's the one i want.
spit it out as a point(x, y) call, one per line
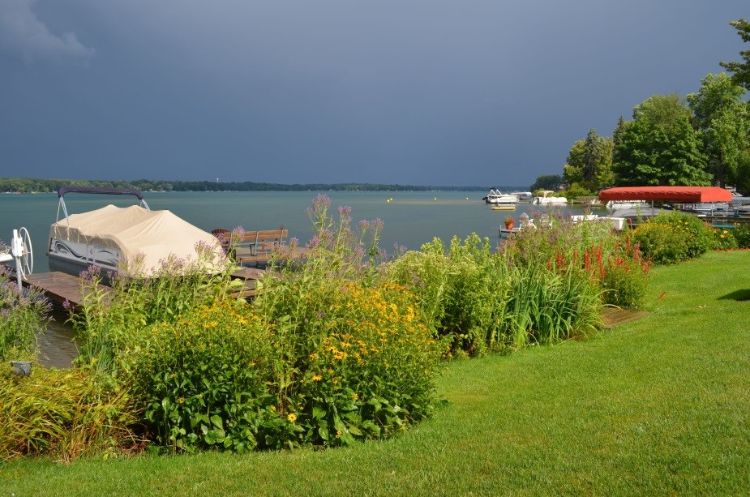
point(723, 122)
point(741, 70)
point(589, 163)
point(659, 146)
point(547, 182)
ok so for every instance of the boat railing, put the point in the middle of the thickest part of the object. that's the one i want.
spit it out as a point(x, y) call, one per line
point(61, 191)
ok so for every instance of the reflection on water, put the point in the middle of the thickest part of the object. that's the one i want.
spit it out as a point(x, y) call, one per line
point(57, 348)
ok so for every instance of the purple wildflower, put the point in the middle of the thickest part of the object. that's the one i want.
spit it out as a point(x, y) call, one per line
point(345, 211)
point(321, 201)
point(314, 242)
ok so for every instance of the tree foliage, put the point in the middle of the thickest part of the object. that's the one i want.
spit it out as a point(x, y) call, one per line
point(723, 122)
point(659, 146)
point(741, 70)
point(547, 182)
point(589, 164)
point(28, 185)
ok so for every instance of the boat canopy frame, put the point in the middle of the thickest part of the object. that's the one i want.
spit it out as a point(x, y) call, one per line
point(61, 191)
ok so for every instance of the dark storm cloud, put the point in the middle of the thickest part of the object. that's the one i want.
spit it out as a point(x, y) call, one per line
point(24, 36)
point(410, 91)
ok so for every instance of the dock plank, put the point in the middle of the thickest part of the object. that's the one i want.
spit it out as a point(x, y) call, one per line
point(250, 275)
point(59, 287)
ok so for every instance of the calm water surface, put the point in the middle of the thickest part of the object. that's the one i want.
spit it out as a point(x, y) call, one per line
point(411, 219)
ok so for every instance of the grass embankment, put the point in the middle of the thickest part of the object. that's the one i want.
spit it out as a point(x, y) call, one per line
point(652, 407)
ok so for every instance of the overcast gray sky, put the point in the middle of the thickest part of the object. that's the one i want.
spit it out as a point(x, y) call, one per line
point(441, 92)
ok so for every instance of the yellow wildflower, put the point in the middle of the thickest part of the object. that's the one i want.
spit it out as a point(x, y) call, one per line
point(291, 417)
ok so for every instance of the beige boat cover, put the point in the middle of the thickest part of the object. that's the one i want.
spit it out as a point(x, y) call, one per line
point(143, 237)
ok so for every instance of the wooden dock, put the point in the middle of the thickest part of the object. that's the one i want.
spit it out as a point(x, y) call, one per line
point(62, 287)
point(250, 275)
point(58, 287)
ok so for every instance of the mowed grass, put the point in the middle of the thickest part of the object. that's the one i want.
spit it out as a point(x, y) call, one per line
point(659, 406)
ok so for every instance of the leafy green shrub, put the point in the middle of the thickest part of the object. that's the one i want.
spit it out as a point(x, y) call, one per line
point(622, 274)
point(723, 239)
point(201, 380)
point(625, 284)
point(22, 316)
point(64, 414)
point(324, 355)
point(368, 373)
point(475, 305)
point(576, 190)
point(673, 237)
point(109, 316)
point(661, 244)
point(354, 358)
point(427, 272)
point(461, 293)
point(741, 233)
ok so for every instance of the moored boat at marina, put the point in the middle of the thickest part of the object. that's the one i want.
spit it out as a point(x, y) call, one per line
point(673, 195)
point(547, 198)
point(496, 197)
point(116, 238)
point(523, 196)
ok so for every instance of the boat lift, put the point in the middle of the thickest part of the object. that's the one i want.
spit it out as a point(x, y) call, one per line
point(22, 252)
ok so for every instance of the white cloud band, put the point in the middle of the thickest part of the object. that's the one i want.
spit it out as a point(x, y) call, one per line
point(23, 35)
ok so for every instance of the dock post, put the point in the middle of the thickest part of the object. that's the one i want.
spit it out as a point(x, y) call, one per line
point(16, 249)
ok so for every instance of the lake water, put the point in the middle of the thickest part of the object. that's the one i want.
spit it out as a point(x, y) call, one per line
point(410, 219)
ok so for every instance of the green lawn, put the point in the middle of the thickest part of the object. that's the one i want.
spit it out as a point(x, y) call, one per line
point(653, 407)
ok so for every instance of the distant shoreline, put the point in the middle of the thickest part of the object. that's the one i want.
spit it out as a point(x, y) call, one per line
point(36, 185)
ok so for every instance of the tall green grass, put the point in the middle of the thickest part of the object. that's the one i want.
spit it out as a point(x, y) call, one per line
point(482, 301)
point(63, 414)
point(110, 316)
point(546, 307)
point(22, 316)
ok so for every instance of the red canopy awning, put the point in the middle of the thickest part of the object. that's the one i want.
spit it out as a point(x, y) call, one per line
point(688, 194)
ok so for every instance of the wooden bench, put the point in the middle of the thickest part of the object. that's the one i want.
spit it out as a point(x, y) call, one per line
point(256, 247)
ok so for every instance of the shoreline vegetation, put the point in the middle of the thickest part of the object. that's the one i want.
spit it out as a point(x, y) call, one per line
point(352, 346)
point(655, 406)
point(37, 185)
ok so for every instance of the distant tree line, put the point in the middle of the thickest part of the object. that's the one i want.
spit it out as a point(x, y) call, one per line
point(29, 185)
point(703, 139)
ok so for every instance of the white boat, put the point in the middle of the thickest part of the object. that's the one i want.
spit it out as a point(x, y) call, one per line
point(708, 208)
point(523, 196)
point(496, 197)
point(117, 239)
point(614, 205)
point(547, 199)
point(618, 223)
point(634, 215)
